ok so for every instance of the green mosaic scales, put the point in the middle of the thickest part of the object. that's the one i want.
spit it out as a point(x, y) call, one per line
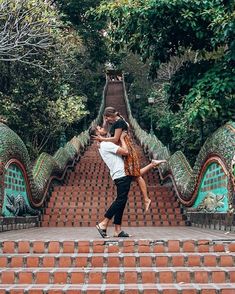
point(19, 178)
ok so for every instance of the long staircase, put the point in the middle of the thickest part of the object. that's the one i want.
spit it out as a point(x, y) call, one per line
point(88, 190)
point(128, 266)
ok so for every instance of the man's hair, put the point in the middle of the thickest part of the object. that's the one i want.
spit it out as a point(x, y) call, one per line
point(92, 131)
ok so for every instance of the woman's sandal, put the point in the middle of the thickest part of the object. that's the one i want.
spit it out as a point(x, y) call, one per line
point(122, 234)
point(102, 232)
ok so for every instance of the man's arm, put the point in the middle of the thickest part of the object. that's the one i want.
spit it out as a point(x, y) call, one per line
point(123, 150)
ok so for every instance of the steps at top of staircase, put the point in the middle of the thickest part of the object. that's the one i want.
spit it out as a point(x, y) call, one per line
point(117, 245)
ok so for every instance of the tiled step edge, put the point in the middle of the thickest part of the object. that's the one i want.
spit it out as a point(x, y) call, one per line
point(121, 288)
point(117, 246)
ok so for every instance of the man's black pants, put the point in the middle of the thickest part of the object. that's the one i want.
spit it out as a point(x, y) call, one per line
point(117, 207)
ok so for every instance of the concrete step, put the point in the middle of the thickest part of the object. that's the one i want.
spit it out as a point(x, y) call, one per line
point(131, 223)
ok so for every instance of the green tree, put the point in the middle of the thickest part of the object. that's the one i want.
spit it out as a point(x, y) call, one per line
point(161, 29)
point(200, 91)
point(48, 93)
point(91, 31)
point(27, 29)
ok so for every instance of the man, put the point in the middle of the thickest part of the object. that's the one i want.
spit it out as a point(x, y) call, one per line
point(112, 155)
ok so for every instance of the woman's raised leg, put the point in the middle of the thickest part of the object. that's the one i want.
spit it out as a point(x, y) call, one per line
point(143, 188)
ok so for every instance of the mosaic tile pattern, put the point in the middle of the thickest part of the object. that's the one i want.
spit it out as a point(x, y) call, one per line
point(213, 190)
point(14, 179)
point(14, 185)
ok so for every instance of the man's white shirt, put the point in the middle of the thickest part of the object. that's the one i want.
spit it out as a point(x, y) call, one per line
point(114, 161)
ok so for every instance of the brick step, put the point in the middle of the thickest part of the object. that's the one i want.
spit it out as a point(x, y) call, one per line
point(105, 201)
point(130, 223)
point(66, 211)
point(88, 175)
point(120, 288)
point(100, 183)
point(111, 275)
point(82, 167)
point(109, 190)
point(130, 220)
point(118, 246)
point(89, 201)
point(157, 188)
point(156, 206)
point(88, 168)
point(108, 194)
point(130, 213)
point(61, 260)
point(95, 217)
point(83, 191)
point(87, 190)
point(62, 205)
point(84, 181)
point(101, 176)
point(87, 183)
point(82, 170)
point(81, 188)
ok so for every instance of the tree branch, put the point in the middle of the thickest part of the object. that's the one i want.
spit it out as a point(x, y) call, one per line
point(24, 32)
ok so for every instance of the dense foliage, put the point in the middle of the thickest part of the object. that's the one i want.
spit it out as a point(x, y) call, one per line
point(199, 94)
point(48, 83)
point(76, 12)
point(52, 55)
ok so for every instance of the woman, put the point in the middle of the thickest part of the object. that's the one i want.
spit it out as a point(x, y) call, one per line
point(132, 164)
